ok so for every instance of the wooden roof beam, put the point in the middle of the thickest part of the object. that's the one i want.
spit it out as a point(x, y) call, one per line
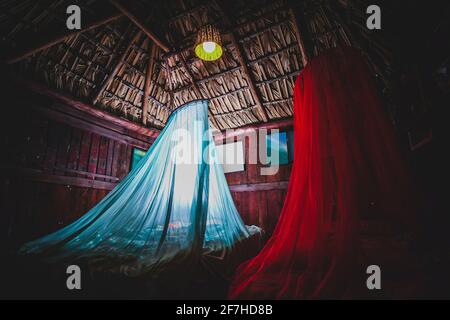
point(81, 106)
point(148, 82)
point(299, 37)
point(116, 69)
point(164, 47)
point(47, 42)
point(242, 61)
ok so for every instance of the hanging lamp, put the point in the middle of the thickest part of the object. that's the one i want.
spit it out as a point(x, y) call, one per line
point(208, 46)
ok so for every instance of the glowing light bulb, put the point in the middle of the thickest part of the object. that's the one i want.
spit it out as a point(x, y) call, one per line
point(209, 46)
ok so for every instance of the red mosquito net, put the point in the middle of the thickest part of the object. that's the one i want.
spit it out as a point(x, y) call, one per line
point(347, 165)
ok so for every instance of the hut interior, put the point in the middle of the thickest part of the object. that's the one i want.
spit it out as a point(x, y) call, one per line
point(82, 106)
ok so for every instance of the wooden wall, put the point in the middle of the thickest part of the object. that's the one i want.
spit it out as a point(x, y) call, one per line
point(259, 198)
point(57, 164)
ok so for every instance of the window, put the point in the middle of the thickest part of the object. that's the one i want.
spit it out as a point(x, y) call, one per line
point(283, 144)
point(231, 156)
point(290, 143)
point(137, 155)
point(277, 143)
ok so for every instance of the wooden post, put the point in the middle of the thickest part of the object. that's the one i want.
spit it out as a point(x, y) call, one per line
point(148, 81)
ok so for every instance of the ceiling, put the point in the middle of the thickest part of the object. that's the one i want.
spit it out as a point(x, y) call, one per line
point(136, 60)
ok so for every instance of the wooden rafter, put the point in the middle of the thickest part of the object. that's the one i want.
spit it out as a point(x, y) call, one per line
point(197, 89)
point(116, 68)
point(298, 35)
point(46, 42)
point(140, 24)
point(148, 82)
point(243, 62)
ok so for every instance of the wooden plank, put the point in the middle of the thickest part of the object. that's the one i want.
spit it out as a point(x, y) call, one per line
point(38, 142)
point(90, 175)
point(273, 210)
point(63, 147)
point(84, 151)
point(299, 37)
point(127, 164)
point(265, 186)
point(74, 149)
point(285, 172)
point(121, 171)
point(73, 172)
point(52, 145)
point(237, 198)
point(116, 159)
point(252, 199)
point(40, 176)
point(81, 106)
point(93, 154)
point(244, 209)
point(110, 157)
point(235, 178)
point(148, 82)
point(274, 178)
point(84, 199)
point(198, 93)
point(26, 209)
point(262, 212)
point(102, 156)
point(104, 123)
point(123, 154)
point(254, 174)
point(74, 204)
point(253, 170)
point(88, 126)
point(93, 198)
point(59, 197)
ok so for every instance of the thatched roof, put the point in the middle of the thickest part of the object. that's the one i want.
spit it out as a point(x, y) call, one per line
point(114, 65)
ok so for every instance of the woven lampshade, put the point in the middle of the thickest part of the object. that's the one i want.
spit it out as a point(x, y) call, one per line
point(208, 46)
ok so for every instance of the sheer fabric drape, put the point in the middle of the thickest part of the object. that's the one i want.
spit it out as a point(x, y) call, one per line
point(347, 165)
point(174, 205)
